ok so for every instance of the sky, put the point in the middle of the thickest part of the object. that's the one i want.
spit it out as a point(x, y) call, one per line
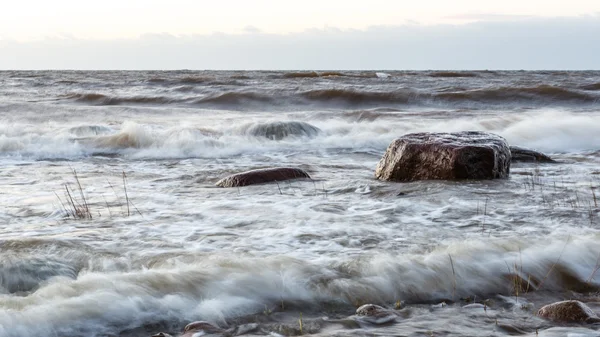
point(308, 34)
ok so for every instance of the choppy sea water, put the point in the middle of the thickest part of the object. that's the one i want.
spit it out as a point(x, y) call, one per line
point(165, 247)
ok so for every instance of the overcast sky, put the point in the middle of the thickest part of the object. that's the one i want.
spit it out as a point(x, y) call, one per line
point(308, 34)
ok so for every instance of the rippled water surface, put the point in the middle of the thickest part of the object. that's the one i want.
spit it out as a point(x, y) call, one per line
point(161, 245)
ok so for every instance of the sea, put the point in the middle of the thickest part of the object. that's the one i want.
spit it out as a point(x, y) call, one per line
point(111, 223)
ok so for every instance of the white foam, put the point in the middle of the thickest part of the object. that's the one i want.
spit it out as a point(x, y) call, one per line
point(546, 130)
point(220, 288)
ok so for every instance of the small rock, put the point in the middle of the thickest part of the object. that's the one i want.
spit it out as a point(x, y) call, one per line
point(193, 329)
point(262, 176)
point(519, 154)
point(376, 314)
point(568, 312)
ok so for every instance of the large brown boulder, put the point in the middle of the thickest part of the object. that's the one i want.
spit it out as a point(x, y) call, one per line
point(568, 312)
point(519, 154)
point(262, 176)
point(460, 155)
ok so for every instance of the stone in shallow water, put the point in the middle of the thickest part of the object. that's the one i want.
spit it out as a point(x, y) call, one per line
point(281, 130)
point(569, 312)
point(519, 154)
point(193, 329)
point(445, 156)
point(376, 314)
point(262, 176)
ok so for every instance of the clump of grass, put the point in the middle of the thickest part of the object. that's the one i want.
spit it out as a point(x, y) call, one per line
point(519, 285)
point(267, 311)
point(75, 208)
point(76, 205)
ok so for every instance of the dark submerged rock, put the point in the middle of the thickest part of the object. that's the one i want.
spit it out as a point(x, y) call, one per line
point(376, 314)
point(200, 326)
point(568, 312)
point(519, 154)
point(446, 156)
point(262, 176)
point(281, 130)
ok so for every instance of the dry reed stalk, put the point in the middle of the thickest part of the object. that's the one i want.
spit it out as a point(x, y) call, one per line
point(555, 263)
point(596, 268)
point(454, 278)
point(126, 196)
point(85, 204)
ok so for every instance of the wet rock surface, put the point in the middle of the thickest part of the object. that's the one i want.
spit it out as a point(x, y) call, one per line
point(445, 156)
point(262, 176)
point(281, 130)
point(520, 154)
point(568, 312)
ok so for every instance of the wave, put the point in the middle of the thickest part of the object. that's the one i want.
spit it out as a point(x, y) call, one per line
point(182, 80)
point(157, 80)
point(370, 115)
point(101, 99)
point(20, 274)
point(90, 130)
point(224, 289)
point(66, 82)
point(591, 87)
point(358, 97)
point(540, 94)
point(235, 98)
point(314, 74)
point(195, 79)
point(311, 74)
point(452, 74)
point(371, 130)
point(135, 136)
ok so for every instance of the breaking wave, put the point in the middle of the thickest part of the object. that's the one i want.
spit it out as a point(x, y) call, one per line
point(552, 131)
point(90, 130)
point(221, 289)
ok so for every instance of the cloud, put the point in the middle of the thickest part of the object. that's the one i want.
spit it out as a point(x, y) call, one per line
point(488, 17)
point(532, 43)
point(252, 30)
